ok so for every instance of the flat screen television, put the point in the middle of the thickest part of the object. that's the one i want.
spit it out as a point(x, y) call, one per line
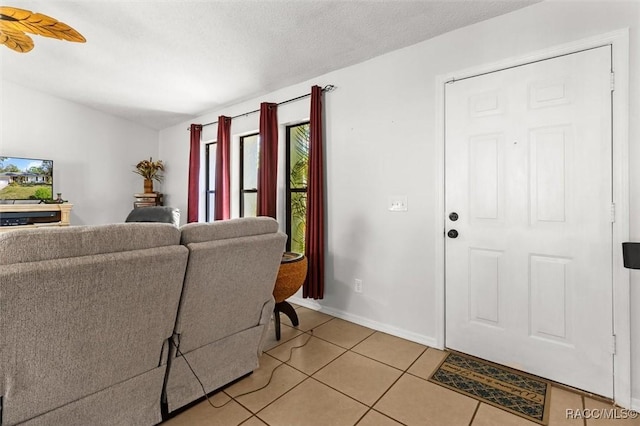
point(25, 179)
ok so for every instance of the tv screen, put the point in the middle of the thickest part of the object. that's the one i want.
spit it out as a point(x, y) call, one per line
point(26, 179)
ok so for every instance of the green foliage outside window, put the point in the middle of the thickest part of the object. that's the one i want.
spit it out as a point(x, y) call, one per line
point(298, 173)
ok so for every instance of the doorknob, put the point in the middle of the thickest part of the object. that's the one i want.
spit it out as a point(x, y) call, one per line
point(452, 233)
point(453, 216)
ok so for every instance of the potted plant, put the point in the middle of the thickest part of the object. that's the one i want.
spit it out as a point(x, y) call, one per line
point(150, 170)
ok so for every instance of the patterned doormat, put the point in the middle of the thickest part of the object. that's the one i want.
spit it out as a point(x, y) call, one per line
point(510, 390)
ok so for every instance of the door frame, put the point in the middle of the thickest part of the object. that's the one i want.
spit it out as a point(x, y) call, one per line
point(619, 42)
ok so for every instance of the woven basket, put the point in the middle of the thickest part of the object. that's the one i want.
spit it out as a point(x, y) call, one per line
point(291, 276)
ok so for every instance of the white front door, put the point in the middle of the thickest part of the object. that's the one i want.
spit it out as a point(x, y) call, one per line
point(528, 173)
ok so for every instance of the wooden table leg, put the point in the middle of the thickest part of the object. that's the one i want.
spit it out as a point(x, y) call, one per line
point(287, 309)
point(276, 317)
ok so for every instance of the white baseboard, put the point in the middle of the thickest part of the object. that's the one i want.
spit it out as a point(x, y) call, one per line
point(366, 322)
point(635, 404)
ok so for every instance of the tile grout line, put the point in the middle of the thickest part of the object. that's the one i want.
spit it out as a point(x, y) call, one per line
point(297, 369)
point(326, 322)
point(255, 414)
point(342, 393)
point(363, 416)
point(416, 360)
point(473, 417)
point(272, 402)
point(403, 372)
point(250, 417)
point(308, 332)
point(247, 408)
point(381, 413)
point(348, 349)
point(374, 359)
point(363, 355)
point(369, 407)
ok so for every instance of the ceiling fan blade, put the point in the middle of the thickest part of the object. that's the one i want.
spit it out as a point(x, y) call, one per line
point(37, 23)
point(15, 40)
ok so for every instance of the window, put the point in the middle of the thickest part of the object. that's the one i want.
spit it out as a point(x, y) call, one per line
point(297, 163)
point(249, 154)
point(210, 163)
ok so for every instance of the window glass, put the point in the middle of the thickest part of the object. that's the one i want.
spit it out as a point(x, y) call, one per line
point(210, 163)
point(297, 175)
point(250, 204)
point(250, 162)
point(249, 157)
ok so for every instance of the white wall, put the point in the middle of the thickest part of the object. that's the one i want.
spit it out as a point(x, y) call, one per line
point(380, 136)
point(93, 153)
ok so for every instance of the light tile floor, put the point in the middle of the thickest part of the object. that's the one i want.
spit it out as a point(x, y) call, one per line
point(347, 374)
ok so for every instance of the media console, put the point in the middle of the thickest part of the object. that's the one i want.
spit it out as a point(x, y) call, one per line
point(18, 216)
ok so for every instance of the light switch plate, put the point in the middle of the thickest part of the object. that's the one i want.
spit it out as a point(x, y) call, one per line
point(398, 203)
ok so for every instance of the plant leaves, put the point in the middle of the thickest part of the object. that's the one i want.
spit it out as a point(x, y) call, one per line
point(20, 20)
point(15, 40)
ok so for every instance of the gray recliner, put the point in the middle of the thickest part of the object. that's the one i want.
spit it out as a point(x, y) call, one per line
point(161, 214)
point(85, 317)
point(226, 305)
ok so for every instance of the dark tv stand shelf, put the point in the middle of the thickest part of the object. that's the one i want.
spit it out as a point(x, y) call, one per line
point(30, 211)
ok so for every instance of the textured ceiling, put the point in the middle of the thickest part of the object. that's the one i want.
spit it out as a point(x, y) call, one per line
point(162, 62)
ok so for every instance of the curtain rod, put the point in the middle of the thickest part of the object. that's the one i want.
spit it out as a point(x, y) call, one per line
point(327, 88)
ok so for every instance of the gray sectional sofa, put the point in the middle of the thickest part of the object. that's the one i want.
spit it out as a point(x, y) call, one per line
point(95, 320)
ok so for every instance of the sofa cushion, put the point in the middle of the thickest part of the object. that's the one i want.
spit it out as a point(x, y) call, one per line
point(28, 245)
point(226, 229)
point(226, 285)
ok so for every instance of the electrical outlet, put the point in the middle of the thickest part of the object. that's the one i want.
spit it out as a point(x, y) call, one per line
point(358, 285)
point(398, 203)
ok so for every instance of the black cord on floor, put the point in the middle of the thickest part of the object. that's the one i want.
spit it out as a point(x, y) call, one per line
point(245, 393)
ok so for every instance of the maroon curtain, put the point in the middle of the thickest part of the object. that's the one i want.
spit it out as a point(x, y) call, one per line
point(222, 209)
point(268, 169)
point(194, 174)
point(314, 233)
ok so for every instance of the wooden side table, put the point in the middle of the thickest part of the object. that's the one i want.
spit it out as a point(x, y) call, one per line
point(291, 276)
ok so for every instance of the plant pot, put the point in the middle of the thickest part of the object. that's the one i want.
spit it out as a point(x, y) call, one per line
point(148, 186)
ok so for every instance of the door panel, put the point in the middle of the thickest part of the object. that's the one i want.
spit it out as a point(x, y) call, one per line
point(485, 183)
point(528, 170)
point(551, 286)
point(483, 285)
point(548, 177)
